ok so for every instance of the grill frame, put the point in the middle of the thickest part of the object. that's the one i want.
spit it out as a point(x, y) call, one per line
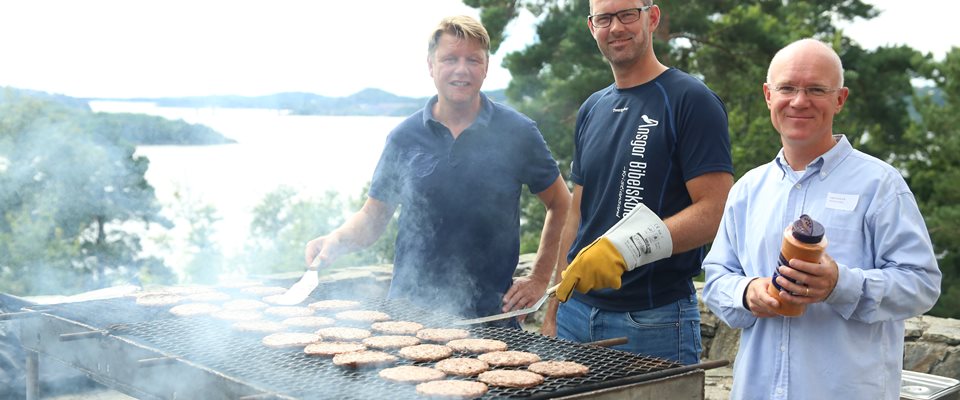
point(118, 350)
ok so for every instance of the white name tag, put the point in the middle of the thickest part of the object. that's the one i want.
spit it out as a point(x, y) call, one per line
point(843, 202)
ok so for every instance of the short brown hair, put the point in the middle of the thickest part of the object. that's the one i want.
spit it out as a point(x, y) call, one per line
point(463, 27)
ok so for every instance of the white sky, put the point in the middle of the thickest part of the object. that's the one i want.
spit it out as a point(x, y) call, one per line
point(124, 48)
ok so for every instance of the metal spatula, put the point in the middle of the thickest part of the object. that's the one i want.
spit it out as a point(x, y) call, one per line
point(552, 291)
point(302, 289)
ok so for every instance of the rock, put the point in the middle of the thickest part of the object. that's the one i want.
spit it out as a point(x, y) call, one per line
point(708, 323)
point(921, 356)
point(724, 345)
point(942, 330)
point(950, 366)
point(914, 327)
point(717, 383)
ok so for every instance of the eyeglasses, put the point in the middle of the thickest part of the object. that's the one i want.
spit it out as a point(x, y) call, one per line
point(812, 91)
point(627, 16)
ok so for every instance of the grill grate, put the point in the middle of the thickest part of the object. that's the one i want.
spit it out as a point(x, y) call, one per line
point(213, 344)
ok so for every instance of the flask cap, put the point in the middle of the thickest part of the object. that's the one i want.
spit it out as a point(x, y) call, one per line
point(806, 230)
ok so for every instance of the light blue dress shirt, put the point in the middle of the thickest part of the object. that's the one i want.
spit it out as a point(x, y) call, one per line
point(851, 345)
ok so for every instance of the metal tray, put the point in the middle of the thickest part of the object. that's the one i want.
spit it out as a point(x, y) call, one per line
point(920, 386)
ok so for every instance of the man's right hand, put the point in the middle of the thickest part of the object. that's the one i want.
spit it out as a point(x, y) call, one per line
point(760, 303)
point(597, 266)
point(324, 247)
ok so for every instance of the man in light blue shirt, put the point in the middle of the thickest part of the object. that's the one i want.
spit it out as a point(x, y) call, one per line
point(879, 267)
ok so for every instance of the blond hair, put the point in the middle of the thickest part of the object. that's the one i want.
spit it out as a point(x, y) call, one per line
point(463, 27)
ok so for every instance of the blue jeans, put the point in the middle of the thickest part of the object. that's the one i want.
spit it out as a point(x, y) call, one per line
point(671, 332)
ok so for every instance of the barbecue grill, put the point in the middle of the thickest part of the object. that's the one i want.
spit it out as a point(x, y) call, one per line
point(148, 353)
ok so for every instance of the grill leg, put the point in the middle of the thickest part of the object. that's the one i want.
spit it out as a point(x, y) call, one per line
point(33, 375)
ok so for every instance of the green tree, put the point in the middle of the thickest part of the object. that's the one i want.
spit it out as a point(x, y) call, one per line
point(284, 221)
point(66, 193)
point(206, 261)
point(931, 156)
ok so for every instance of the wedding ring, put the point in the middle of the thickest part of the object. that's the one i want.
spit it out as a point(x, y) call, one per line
point(808, 292)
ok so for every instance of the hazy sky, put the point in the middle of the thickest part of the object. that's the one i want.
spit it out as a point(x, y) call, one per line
point(123, 48)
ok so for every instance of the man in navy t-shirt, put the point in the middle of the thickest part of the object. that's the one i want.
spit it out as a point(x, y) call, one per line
point(654, 143)
point(456, 169)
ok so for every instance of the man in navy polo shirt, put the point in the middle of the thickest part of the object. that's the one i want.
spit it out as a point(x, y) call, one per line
point(456, 169)
point(652, 169)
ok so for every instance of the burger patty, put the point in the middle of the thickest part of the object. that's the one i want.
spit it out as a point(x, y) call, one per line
point(263, 290)
point(425, 352)
point(276, 299)
point(442, 335)
point(343, 333)
point(390, 341)
point(238, 284)
point(330, 349)
point(244, 304)
point(452, 389)
point(362, 316)
point(191, 309)
point(462, 366)
point(237, 315)
point(180, 290)
point(261, 326)
point(477, 345)
point(330, 305)
point(282, 340)
point(308, 322)
point(509, 358)
point(158, 299)
point(365, 358)
point(558, 369)
point(209, 297)
point(288, 311)
point(510, 378)
point(411, 374)
point(396, 327)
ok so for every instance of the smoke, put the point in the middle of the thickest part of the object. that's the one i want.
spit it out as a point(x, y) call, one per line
point(65, 189)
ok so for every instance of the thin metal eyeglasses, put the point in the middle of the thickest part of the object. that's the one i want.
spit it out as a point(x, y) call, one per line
point(812, 91)
point(627, 16)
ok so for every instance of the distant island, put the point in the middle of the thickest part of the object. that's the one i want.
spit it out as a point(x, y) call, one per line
point(140, 129)
point(367, 102)
point(121, 128)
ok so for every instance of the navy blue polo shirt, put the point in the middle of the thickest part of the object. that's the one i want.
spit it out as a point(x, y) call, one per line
point(459, 230)
point(641, 145)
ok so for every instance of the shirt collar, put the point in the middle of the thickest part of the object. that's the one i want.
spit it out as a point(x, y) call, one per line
point(483, 118)
point(826, 162)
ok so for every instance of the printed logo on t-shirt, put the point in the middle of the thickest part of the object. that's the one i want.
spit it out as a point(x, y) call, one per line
point(632, 175)
point(620, 110)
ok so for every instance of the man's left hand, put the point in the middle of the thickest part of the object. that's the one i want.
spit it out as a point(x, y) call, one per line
point(814, 281)
point(524, 292)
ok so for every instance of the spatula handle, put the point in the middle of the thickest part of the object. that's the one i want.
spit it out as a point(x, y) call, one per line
point(552, 291)
point(315, 265)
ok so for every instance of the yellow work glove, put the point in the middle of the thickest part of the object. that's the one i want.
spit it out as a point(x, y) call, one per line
point(597, 266)
point(639, 238)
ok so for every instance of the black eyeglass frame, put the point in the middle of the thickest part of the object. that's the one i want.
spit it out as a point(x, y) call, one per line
point(592, 17)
